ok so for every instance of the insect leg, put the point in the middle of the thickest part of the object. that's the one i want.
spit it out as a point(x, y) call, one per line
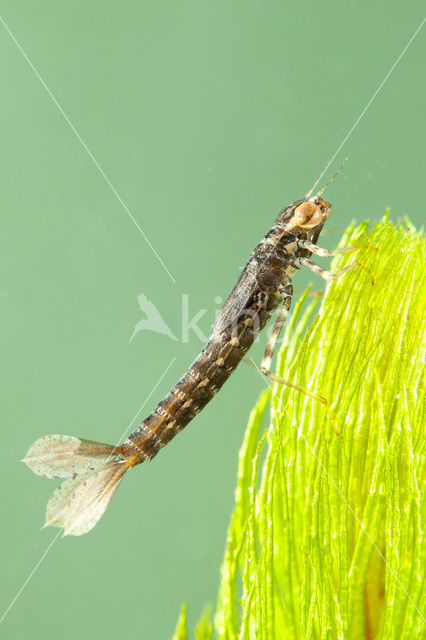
point(325, 253)
point(311, 394)
point(265, 367)
point(275, 334)
point(323, 273)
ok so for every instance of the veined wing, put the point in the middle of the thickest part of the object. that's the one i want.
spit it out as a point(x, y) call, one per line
point(237, 299)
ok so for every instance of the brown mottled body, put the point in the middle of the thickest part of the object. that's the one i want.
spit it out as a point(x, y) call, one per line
point(93, 470)
point(218, 359)
point(264, 284)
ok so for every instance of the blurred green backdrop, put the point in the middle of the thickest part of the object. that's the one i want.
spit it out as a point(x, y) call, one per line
point(208, 117)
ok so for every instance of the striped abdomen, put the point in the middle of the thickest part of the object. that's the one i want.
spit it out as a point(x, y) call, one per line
point(94, 470)
point(218, 359)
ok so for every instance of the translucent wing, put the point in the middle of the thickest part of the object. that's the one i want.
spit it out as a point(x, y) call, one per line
point(79, 502)
point(238, 298)
point(64, 456)
point(94, 471)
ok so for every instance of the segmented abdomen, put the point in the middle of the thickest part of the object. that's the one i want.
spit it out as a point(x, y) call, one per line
point(218, 359)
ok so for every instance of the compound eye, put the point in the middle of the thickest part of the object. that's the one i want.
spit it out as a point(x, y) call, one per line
point(307, 215)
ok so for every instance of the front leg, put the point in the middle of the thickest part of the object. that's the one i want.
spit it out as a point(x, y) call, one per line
point(323, 273)
point(325, 253)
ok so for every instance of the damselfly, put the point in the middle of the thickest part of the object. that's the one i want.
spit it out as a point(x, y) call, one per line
point(94, 470)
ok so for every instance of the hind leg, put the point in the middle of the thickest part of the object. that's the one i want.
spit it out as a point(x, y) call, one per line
point(265, 367)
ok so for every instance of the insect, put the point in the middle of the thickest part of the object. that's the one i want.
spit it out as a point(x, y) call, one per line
point(94, 470)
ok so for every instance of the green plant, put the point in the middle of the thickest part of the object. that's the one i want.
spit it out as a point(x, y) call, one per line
point(326, 536)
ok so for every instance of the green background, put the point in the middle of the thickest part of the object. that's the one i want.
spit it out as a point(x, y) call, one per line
point(208, 118)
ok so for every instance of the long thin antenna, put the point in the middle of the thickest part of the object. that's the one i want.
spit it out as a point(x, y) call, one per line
point(308, 195)
point(367, 105)
point(330, 181)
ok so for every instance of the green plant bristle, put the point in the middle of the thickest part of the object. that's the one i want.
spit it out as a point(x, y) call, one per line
point(329, 543)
